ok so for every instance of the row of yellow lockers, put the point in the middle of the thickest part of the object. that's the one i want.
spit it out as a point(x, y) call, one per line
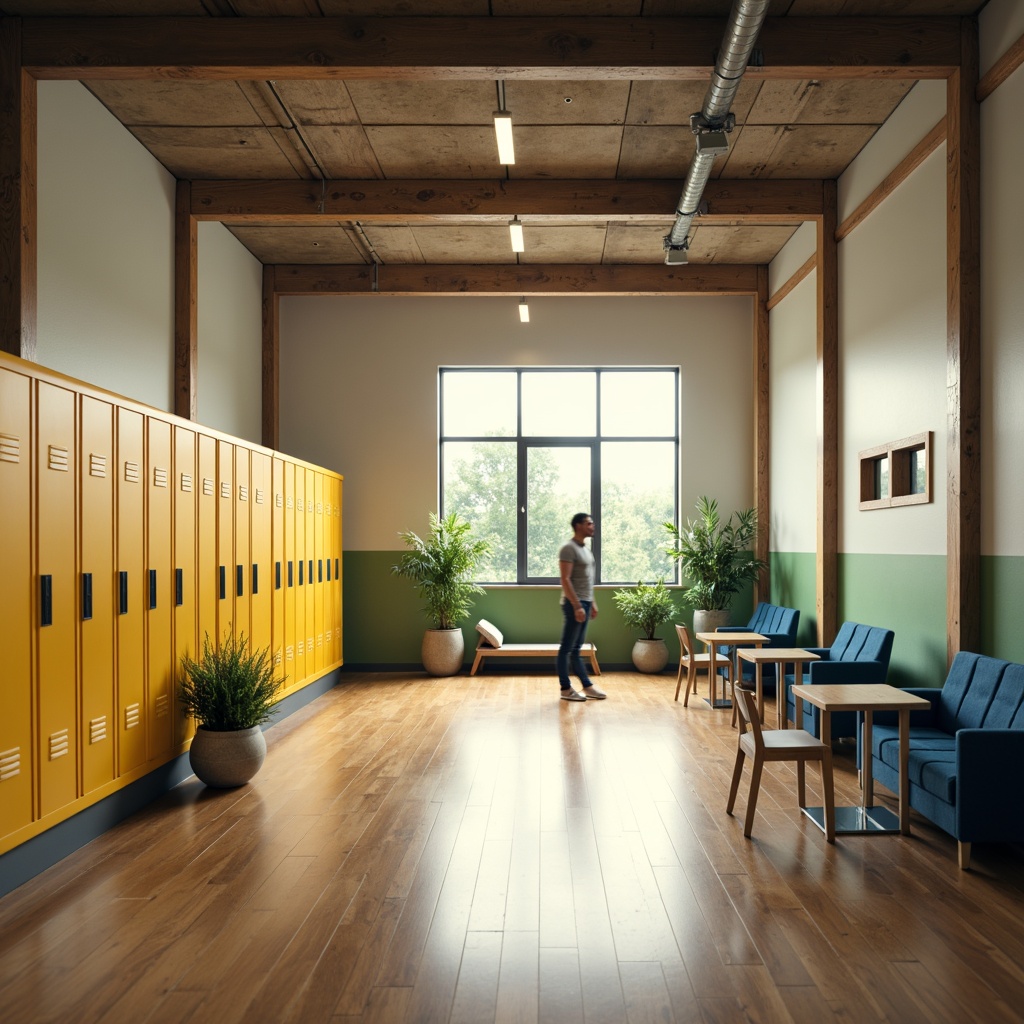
point(126, 536)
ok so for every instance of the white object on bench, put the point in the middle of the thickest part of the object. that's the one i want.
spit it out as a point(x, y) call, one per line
point(492, 645)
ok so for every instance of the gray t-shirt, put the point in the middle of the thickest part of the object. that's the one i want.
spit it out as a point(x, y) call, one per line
point(582, 575)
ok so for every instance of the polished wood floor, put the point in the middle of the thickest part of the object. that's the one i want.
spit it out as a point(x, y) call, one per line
point(475, 850)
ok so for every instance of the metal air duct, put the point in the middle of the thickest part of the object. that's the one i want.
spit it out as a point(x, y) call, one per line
point(714, 120)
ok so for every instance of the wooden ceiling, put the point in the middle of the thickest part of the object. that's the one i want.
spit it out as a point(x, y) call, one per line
point(369, 138)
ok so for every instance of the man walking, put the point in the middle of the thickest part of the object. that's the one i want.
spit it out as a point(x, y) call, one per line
point(576, 570)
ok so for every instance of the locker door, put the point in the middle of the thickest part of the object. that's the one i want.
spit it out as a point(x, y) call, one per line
point(129, 585)
point(16, 600)
point(336, 539)
point(225, 540)
point(57, 683)
point(309, 543)
point(159, 589)
point(320, 577)
point(261, 577)
point(329, 628)
point(300, 575)
point(96, 591)
point(207, 566)
point(185, 498)
point(279, 565)
point(241, 574)
point(290, 578)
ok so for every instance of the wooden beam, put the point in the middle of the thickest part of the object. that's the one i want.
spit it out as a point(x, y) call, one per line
point(479, 48)
point(1001, 70)
point(186, 305)
point(963, 353)
point(827, 404)
point(797, 276)
point(524, 279)
point(271, 409)
point(432, 201)
point(18, 225)
point(762, 446)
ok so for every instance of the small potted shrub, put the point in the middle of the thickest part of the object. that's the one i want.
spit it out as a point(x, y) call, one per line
point(645, 607)
point(230, 691)
point(443, 567)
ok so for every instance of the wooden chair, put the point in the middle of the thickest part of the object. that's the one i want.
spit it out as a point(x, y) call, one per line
point(777, 745)
point(694, 663)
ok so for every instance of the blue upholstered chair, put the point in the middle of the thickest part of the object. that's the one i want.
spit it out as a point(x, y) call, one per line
point(859, 654)
point(775, 622)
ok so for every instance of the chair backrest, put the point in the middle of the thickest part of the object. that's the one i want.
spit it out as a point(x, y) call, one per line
point(982, 692)
point(775, 619)
point(857, 642)
point(685, 645)
point(746, 703)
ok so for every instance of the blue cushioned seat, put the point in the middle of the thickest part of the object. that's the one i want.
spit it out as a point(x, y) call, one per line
point(777, 623)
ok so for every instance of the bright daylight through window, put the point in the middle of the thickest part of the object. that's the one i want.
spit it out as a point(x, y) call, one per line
point(523, 450)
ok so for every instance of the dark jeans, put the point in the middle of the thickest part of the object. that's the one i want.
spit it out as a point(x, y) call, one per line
point(573, 635)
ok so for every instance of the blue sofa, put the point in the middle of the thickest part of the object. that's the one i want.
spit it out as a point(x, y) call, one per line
point(859, 654)
point(965, 752)
point(777, 623)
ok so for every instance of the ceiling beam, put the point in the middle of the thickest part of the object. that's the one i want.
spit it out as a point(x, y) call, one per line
point(433, 201)
point(532, 280)
point(479, 48)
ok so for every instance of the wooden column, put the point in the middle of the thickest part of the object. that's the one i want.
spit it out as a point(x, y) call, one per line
point(762, 452)
point(186, 345)
point(963, 352)
point(827, 404)
point(18, 226)
point(271, 361)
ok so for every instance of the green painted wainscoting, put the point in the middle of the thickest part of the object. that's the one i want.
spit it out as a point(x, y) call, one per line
point(1002, 606)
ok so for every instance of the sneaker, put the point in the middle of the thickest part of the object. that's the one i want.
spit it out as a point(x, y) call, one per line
point(593, 692)
point(568, 693)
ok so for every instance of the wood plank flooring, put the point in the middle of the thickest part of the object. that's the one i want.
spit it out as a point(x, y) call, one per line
point(474, 849)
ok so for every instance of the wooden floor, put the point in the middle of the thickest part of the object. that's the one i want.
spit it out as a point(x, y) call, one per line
point(474, 850)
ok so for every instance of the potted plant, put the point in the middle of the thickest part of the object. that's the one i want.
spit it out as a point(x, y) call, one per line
point(715, 558)
point(443, 567)
point(646, 607)
point(230, 691)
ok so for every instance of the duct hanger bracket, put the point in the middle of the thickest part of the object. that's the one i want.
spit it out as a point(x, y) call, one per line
point(700, 124)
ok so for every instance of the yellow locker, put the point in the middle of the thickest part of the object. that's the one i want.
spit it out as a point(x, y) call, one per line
point(130, 586)
point(207, 566)
point(56, 680)
point(300, 575)
point(96, 591)
point(290, 578)
point(261, 579)
point(241, 571)
point(225, 539)
point(16, 600)
point(319, 587)
point(336, 540)
point(185, 488)
point(309, 544)
point(159, 590)
point(279, 564)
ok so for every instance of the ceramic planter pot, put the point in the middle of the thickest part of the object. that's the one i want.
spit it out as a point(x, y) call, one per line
point(443, 651)
point(226, 759)
point(708, 621)
point(650, 655)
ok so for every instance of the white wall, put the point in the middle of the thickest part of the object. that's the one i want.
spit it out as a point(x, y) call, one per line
point(359, 386)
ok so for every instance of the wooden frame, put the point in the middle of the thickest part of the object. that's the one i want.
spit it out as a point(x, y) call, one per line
point(901, 457)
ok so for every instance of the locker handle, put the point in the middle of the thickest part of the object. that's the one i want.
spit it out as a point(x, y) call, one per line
point(337, 575)
point(302, 566)
point(255, 578)
point(240, 580)
point(45, 600)
point(223, 582)
point(277, 575)
point(122, 593)
point(152, 588)
point(320, 570)
point(291, 573)
point(86, 596)
point(311, 572)
point(328, 570)
point(179, 587)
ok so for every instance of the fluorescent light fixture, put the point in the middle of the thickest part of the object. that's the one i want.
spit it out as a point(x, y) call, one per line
point(515, 230)
point(524, 312)
point(503, 131)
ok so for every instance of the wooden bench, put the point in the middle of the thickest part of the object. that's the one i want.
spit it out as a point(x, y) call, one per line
point(485, 650)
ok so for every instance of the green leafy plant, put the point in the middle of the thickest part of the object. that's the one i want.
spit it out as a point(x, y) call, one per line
point(645, 606)
point(229, 687)
point(715, 556)
point(443, 566)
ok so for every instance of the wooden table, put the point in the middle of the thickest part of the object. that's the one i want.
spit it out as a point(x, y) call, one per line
point(866, 697)
point(734, 637)
point(780, 657)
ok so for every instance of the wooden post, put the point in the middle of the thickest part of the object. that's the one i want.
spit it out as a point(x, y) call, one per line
point(271, 361)
point(762, 451)
point(186, 329)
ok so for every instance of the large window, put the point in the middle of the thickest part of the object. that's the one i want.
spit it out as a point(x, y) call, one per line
point(523, 450)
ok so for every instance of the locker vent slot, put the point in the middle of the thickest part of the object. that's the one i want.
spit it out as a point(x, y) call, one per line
point(131, 472)
point(301, 648)
point(225, 489)
point(278, 498)
point(97, 465)
point(159, 476)
point(132, 716)
point(327, 637)
point(319, 508)
point(298, 504)
point(243, 492)
point(58, 459)
point(10, 763)
point(309, 645)
point(98, 729)
point(207, 486)
point(319, 639)
point(162, 706)
point(259, 495)
point(59, 744)
point(10, 448)
point(186, 482)
point(277, 661)
point(289, 653)
point(291, 502)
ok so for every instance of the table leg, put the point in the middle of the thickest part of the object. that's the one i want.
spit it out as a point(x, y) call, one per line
point(759, 685)
point(867, 779)
point(780, 691)
point(712, 673)
point(904, 771)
